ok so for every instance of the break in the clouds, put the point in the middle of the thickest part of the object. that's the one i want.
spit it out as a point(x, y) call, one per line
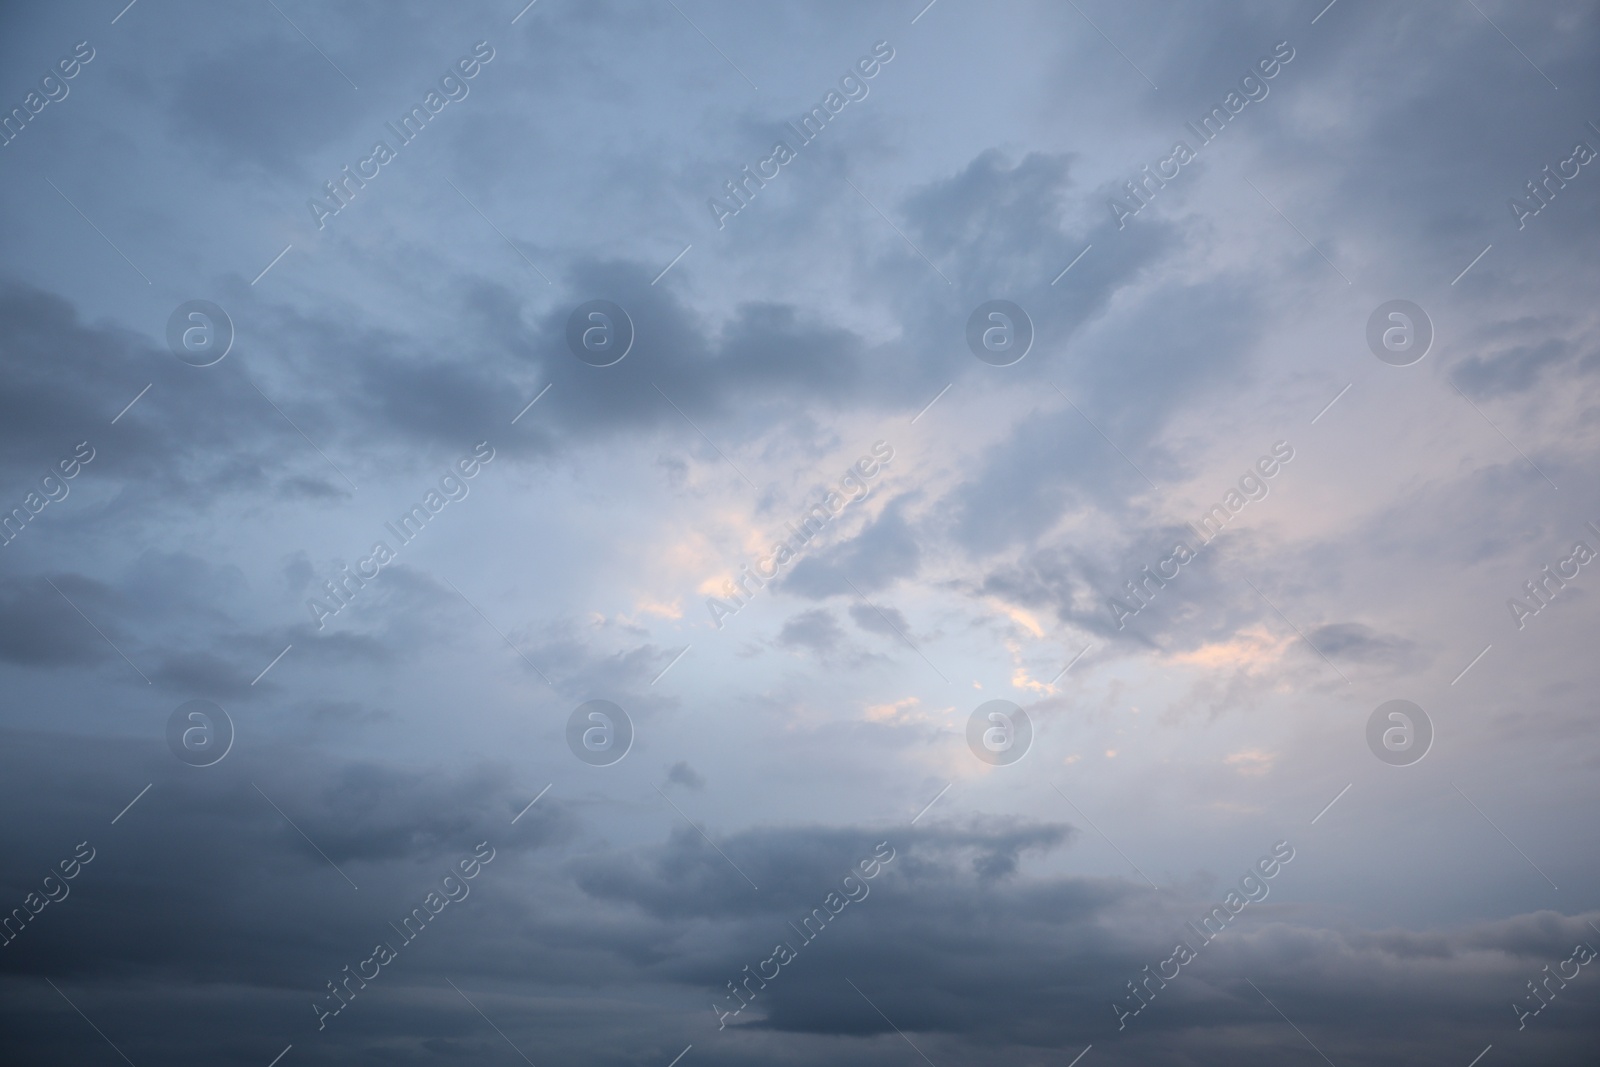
point(1081, 555)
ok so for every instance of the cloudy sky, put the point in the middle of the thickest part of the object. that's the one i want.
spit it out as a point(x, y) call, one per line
point(1288, 413)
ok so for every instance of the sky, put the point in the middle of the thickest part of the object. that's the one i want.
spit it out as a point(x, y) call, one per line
point(695, 533)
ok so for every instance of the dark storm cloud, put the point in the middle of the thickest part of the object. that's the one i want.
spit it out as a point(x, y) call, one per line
point(377, 823)
point(254, 909)
point(164, 613)
point(927, 943)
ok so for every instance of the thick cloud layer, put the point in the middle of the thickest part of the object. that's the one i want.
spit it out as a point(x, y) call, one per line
point(1213, 387)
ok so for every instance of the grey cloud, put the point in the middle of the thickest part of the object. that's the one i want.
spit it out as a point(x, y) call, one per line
point(880, 619)
point(1517, 368)
point(1352, 640)
point(880, 555)
point(816, 630)
point(681, 773)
